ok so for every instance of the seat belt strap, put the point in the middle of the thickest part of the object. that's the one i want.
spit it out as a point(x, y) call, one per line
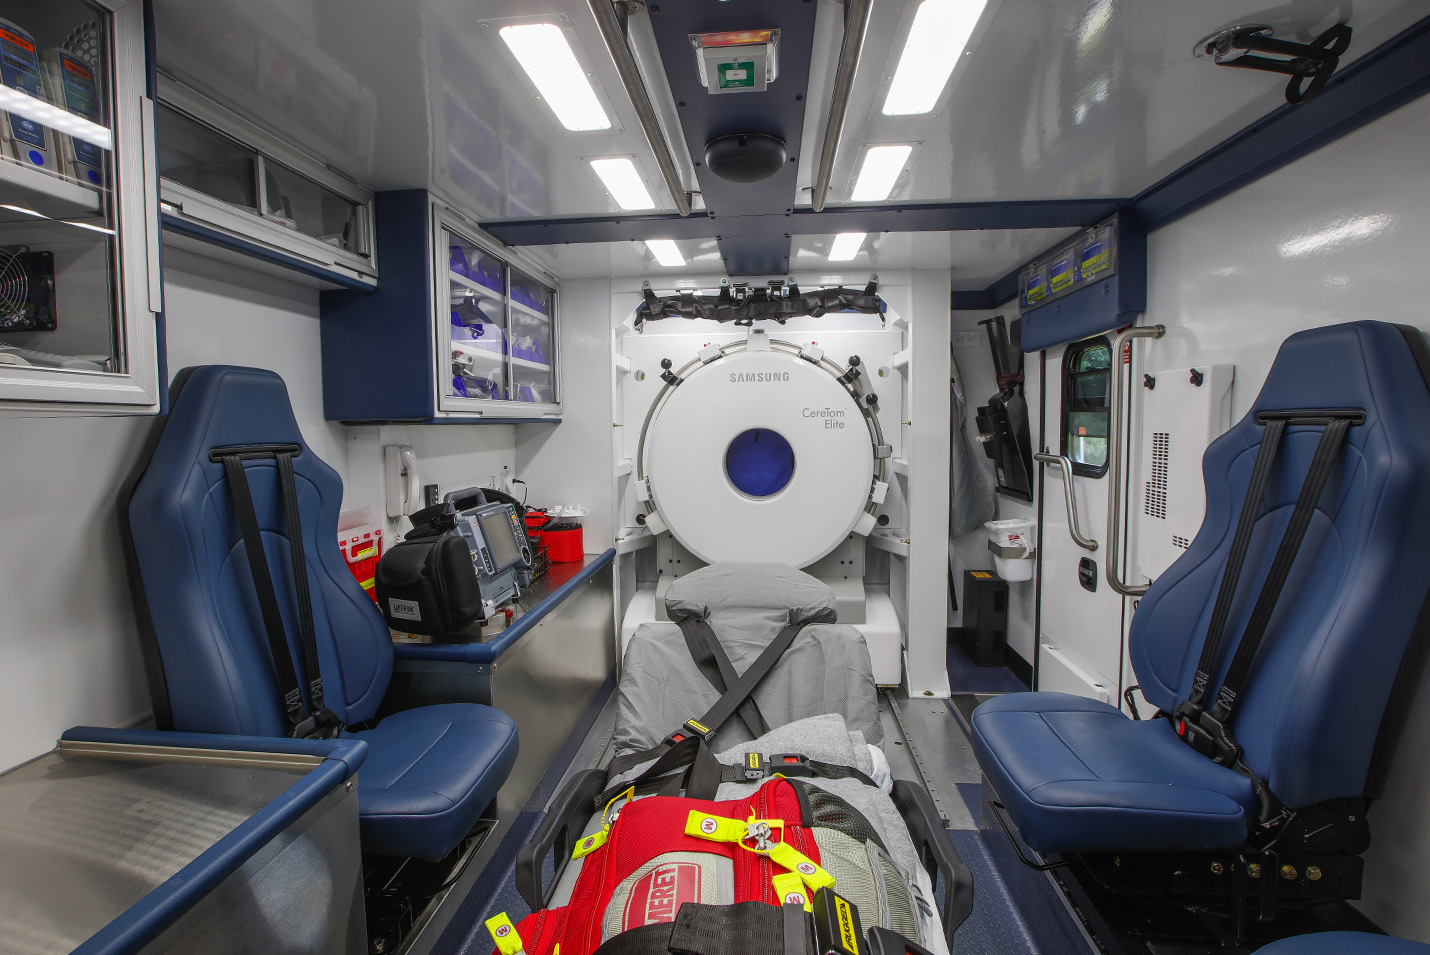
point(1236, 557)
point(278, 647)
point(706, 726)
point(1322, 462)
point(324, 722)
point(714, 664)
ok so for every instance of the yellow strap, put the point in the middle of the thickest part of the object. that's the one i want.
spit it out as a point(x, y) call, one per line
point(628, 795)
point(504, 934)
point(791, 858)
point(702, 825)
point(790, 890)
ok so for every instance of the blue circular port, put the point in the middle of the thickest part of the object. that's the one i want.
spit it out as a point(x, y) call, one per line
point(37, 157)
point(759, 462)
point(95, 177)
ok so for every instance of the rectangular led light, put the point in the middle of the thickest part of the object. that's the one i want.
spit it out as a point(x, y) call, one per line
point(846, 246)
point(882, 165)
point(624, 182)
point(940, 31)
point(47, 114)
point(546, 56)
point(665, 252)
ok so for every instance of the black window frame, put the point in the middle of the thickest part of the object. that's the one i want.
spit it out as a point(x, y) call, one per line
point(1070, 355)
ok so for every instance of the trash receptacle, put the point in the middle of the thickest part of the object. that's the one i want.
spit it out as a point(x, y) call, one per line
point(1011, 542)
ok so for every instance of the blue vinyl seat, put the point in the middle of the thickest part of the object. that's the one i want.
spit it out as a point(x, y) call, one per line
point(1343, 943)
point(1077, 776)
point(430, 771)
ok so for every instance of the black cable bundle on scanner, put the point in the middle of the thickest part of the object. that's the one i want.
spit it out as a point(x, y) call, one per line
point(1003, 421)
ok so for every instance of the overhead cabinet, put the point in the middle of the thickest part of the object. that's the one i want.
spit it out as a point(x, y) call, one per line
point(232, 186)
point(458, 330)
point(79, 279)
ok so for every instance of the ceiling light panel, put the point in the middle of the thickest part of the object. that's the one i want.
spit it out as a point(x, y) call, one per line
point(623, 181)
point(546, 55)
point(846, 246)
point(879, 171)
point(940, 31)
point(666, 252)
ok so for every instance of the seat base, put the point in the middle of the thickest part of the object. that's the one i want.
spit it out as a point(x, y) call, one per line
point(1344, 943)
point(429, 774)
point(1077, 776)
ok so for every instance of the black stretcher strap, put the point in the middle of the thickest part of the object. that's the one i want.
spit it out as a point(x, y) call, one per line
point(1240, 543)
point(322, 722)
point(714, 664)
point(725, 707)
point(744, 928)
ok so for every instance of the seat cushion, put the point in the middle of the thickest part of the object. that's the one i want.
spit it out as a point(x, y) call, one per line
point(1077, 775)
point(1344, 943)
point(429, 774)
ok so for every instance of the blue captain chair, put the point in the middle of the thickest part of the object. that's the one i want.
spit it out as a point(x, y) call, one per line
point(1304, 749)
point(430, 771)
point(1343, 943)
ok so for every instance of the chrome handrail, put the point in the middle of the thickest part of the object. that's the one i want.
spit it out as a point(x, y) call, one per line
point(615, 37)
point(1069, 497)
point(856, 20)
point(1117, 424)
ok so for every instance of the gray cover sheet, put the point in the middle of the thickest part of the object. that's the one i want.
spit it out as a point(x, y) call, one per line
point(825, 670)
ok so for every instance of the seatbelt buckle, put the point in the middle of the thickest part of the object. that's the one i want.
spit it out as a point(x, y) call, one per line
point(779, 760)
point(688, 729)
point(324, 724)
point(836, 924)
point(1206, 734)
point(754, 767)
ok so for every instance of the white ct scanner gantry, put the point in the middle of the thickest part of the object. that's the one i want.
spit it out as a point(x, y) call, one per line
point(752, 446)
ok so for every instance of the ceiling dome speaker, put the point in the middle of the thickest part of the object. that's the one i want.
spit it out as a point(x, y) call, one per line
point(745, 157)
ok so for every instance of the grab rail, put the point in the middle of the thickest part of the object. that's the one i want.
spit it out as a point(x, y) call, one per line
point(856, 21)
point(615, 37)
point(1116, 426)
point(1069, 497)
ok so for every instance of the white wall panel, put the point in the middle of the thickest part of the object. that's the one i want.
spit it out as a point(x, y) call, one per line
point(1340, 235)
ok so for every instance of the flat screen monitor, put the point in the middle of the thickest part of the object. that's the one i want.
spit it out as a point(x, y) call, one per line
point(501, 537)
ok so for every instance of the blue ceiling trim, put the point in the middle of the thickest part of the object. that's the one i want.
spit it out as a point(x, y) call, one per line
point(778, 111)
point(922, 217)
point(1391, 75)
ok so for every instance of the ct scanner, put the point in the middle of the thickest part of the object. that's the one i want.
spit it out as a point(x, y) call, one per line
point(750, 443)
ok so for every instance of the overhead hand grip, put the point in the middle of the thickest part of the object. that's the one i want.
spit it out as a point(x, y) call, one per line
point(1069, 496)
point(1117, 427)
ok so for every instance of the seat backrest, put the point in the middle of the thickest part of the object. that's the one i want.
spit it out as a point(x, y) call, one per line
point(1311, 710)
point(193, 571)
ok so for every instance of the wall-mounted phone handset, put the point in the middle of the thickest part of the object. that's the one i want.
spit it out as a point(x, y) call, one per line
point(400, 480)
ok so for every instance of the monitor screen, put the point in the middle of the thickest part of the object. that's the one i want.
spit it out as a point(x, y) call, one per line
point(500, 538)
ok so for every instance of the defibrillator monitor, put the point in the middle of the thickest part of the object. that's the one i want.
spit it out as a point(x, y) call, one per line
point(24, 139)
point(505, 538)
point(70, 83)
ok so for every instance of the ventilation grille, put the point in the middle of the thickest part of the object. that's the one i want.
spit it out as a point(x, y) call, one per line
point(1156, 497)
point(1181, 542)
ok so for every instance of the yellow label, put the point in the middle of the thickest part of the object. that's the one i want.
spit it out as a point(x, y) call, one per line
point(789, 888)
point(797, 862)
point(846, 925)
point(981, 574)
point(589, 844)
point(752, 760)
point(702, 825)
point(698, 727)
point(504, 934)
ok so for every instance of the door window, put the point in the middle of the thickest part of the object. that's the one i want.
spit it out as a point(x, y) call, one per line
point(1087, 378)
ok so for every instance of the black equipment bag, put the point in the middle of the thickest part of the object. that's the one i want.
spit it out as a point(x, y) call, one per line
point(429, 586)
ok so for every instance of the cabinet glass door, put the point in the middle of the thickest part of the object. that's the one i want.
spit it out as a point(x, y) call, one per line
point(533, 345)
point(59, 277)
point(478, 322)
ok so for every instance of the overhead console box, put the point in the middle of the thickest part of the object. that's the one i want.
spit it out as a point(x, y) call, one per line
point(240, 191)
point(1092, 283)
point(460, 330)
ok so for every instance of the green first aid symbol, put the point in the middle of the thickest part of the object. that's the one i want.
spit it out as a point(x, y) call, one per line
point(734, 76)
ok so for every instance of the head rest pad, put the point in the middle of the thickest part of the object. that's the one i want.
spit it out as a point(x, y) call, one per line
point(738, 591)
